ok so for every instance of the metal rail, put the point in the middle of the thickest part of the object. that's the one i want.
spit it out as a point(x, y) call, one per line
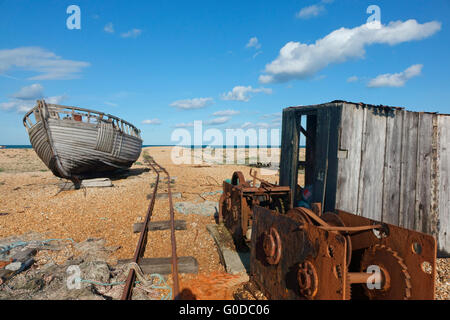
point(140, 249)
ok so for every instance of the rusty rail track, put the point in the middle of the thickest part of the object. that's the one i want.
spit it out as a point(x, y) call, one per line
point(142, 243)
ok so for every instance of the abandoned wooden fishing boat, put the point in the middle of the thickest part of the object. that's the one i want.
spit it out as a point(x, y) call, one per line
point(75, 143)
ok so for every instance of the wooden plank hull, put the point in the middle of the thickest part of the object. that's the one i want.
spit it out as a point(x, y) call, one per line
point(77, 149)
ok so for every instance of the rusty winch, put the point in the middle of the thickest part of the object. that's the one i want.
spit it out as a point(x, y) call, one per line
point(239, 197)
point(305, 254)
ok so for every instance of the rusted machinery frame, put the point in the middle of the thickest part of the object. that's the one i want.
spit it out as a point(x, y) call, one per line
point(325, 226)
point(300, 255)
point(140, 249)
point(240, 195)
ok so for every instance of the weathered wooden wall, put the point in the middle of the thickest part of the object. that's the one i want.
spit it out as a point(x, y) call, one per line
point(444, 183)
point(386, 164)
point(325, 120)
point(289, 150)
point(396, 168)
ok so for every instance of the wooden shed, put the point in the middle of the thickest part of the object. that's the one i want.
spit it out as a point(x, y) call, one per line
point(384, 163)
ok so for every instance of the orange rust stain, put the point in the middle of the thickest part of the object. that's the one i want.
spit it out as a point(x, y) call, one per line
point(213, 286)
point(5, 263)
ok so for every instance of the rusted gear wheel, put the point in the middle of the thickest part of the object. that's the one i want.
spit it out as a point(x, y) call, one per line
point(396, 281)
point(278, 205)
point(308, 280)
point(272, 246)
point(334, 220)
point(298, 214)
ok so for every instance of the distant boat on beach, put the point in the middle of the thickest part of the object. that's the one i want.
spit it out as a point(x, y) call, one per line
point(2, 147)
point(75, 143)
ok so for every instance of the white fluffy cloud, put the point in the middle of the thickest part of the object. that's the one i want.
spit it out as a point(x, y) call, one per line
point(396, 79)
point(25, 99)
point(275, 118)
point(195, 103)
point(311, 11)
point(241, 93)
point(134, 33)
point(253, 43)
point(111, 104)
point(298, 60)
point(26, 105)
point(259, 125)
point(184, 125)
point(352, 79)
point(34, 91)
point(36, 59)
point(17, 105)
point(151, 121)
point(216, 121)
point(109, 27)
point(226, 113)
point(271, 120)
point(56, 99)
point(276, 115)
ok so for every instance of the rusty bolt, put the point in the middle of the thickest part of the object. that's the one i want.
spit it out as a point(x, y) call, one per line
point(269, 245)
point(272, 246)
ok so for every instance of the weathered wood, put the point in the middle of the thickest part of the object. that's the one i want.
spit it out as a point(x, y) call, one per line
point(159, 225)
point(311, 127)
point(24, 254)
point(351, 132)
point(408, 170)
point(88, 183)
point(70, 110)
point(444, 186)
point(233, 261)
point(165, 195)
point(372, 165)
point(423, 180)
point(289, 151)
point(392, 167)
point(332, 167)
point(321, 162)
point(434, 210)
point(164, 265)
point(77, 148)
point(392, 164)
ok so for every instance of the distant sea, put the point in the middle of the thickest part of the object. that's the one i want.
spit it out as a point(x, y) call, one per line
point(27, 146)
point(17, 146)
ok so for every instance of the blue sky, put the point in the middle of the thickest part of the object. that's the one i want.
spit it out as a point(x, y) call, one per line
point(163, 64)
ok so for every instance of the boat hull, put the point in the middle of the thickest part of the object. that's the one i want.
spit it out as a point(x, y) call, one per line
point(76, 149)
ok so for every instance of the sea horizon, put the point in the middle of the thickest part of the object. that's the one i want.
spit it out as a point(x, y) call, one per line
point(28, 146)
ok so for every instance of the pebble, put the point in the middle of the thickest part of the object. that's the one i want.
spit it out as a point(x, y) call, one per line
point(14, 266)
